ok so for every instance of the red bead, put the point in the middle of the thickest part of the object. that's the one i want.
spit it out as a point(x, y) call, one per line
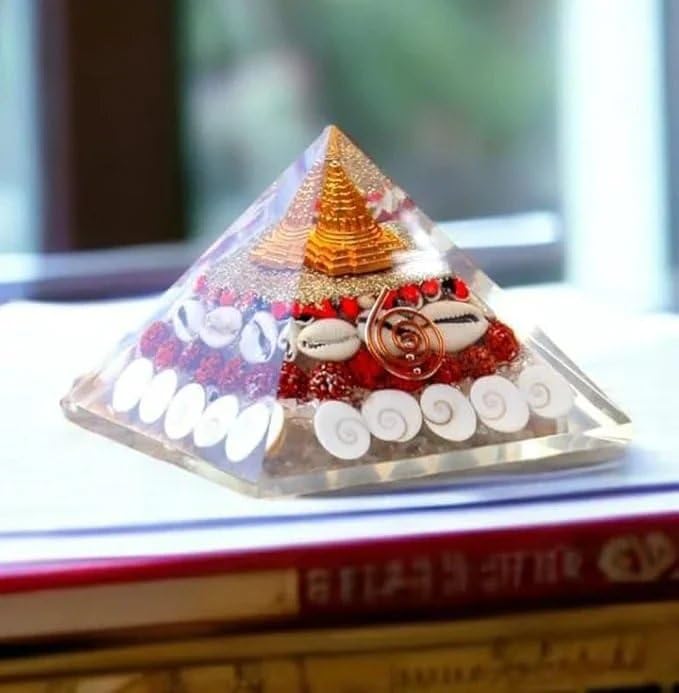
point(390, 299)
point(430, 287)
point(227, 297)
point(461, 290)
point(366, 370)
point(201, 284)
point(501, 341)
point(325, 309)
point(152, 337)
point(449, 372)
point(280, 309)
point(331, 380)
point(297, 310)
point(477, 361)
point(349, 308)
point(410, 294)
point(293, 382)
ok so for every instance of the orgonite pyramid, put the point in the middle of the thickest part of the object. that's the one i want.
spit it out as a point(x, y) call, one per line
point(335, 337)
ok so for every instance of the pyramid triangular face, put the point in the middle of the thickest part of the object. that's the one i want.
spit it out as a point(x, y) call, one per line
point(334, 337)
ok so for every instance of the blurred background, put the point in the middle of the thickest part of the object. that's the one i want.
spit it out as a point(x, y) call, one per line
point(543, 131)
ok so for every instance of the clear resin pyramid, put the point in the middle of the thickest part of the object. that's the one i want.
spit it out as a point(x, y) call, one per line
point(335, 337)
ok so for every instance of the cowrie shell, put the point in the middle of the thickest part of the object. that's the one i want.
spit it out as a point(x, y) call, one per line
point(499, 404)
point(216, 421)
point(341, 430)
point(460, 324)
point(392, 415)
point(221, 327)
point(547, 392)
point(187, 319)
point(184, 411)
point(329, 339)
point(287, 339)
point(448, 413)
point(259, 338)
point(131, 385)
point(158, 396)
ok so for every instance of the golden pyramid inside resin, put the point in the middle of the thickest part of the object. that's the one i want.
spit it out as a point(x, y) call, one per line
point(330, 230)
point(346, 239)
point(284, 247)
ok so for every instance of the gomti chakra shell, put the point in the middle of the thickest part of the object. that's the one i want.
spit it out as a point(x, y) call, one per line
point(547, 392)
point(448, 413)
point(392, 415)
point(341, 430)
point(499, 404)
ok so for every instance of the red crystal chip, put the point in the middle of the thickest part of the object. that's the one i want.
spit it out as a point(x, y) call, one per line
point(501, 341)
point(477, 361)
point(349, 308)
point(450, 371)
point(366, 370)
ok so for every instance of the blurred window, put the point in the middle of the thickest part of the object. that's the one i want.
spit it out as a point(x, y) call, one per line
point(18, 171)
point(454, 100)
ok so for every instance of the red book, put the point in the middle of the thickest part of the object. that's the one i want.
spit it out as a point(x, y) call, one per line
point(610, 550)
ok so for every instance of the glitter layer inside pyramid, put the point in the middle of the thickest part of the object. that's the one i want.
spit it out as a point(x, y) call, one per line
point(335, 337)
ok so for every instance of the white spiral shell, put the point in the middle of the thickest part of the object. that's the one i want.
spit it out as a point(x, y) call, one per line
point(131, 385)
point(392, 415)
point(547, 392)
point(216, 421)
point(341, 430)
point(247, 432)
point(184, 411)
point(448, 413)
point(158, 396)
point(499, 404)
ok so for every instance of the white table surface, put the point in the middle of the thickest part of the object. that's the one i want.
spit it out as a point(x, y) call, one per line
point(67, 492)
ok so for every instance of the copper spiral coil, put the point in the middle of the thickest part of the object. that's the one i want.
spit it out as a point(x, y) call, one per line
point(418, 342)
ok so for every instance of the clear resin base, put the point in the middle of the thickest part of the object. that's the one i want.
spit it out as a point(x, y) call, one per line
point(334, 337)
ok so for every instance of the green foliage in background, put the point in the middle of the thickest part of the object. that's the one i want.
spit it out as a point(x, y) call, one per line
point(455, 90)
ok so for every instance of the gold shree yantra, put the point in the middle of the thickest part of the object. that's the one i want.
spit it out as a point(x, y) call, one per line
point(345, 238)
